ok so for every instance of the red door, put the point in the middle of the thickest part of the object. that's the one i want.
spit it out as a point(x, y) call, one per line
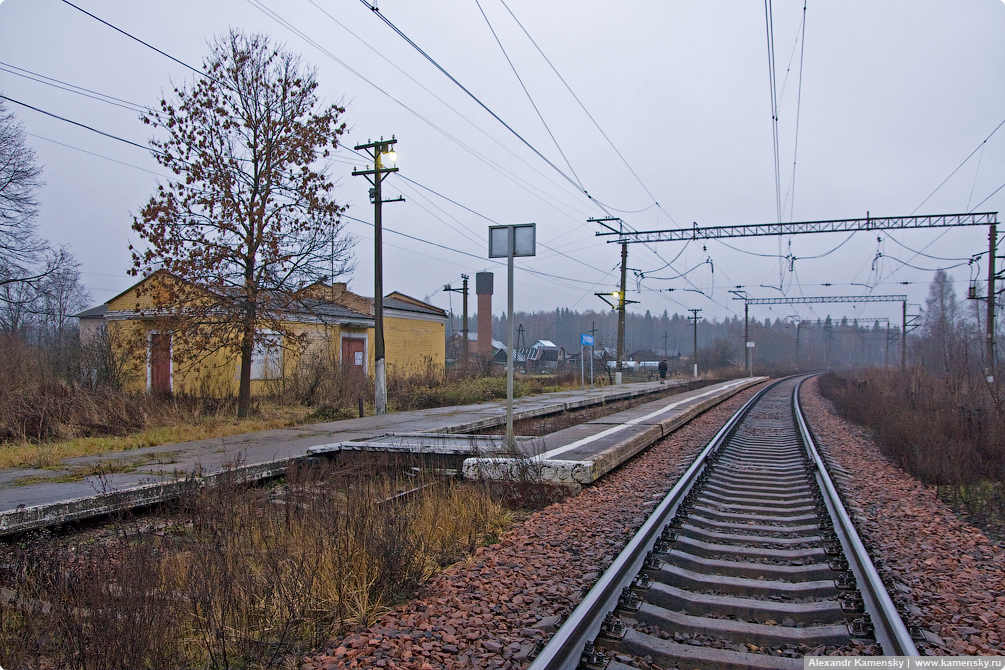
point(352, 355)
point(160, 363)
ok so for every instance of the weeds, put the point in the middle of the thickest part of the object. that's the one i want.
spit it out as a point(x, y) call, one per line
point(240, 577)
point(945, 436)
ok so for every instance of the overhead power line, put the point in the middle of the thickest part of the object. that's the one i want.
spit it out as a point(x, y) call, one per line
point(77, 123)
point(133, 37)
point(958, 169)
point(71, 88)
point(481, 104)
point(527, 93)
point(589, 116)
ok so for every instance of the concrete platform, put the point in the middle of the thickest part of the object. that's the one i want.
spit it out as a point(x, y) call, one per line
point(34, 498)
point(582, 454)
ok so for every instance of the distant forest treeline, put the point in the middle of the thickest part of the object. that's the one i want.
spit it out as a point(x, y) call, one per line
point(820, 343)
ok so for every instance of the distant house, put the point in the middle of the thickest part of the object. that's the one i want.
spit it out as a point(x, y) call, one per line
point(648, 355)
point(91, 322)
point(326, 320)
point(542, 355)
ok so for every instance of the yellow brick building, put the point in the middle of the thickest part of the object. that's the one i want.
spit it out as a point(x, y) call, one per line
point(329, 321)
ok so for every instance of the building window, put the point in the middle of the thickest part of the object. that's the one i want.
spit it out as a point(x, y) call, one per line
point(267, 356)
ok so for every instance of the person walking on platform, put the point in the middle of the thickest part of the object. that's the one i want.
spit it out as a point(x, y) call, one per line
point(663, 371)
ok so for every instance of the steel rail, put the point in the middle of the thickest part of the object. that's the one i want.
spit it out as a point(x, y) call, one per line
point(890, 630)
point(565, 649)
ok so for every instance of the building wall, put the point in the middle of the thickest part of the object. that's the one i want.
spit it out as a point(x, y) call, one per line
point(411, 344)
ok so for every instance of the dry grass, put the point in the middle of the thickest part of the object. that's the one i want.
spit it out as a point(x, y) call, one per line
point(951, 437)
point(169, 428)
point(242, 577)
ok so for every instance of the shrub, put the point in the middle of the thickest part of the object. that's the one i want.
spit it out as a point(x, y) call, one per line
point(239, 576)
point(932, 433)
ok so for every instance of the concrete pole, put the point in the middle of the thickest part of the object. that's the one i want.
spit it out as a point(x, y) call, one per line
point(798, 326)
point(903, 335)
point(886, 349)
point(694, 312)
point(464, 324)
point(511, 246)
point(746, 338)
point(621, 312)
point(593, 331)
point(992, 244)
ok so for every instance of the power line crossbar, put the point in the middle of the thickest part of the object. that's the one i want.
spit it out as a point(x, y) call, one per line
point(697, 232)
point(833, 298)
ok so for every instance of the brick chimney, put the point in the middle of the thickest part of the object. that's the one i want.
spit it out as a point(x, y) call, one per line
point(483, 288)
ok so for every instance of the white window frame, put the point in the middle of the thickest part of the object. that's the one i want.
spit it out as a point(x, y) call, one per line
point(267, 342)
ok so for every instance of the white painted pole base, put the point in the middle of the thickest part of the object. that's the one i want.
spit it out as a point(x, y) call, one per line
point(617, 378)
point(380, 382)
point(695, 370)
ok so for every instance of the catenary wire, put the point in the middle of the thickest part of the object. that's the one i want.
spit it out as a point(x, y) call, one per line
point(439, 67)
point(527, 93)
point(590, 116)
point(958, 168)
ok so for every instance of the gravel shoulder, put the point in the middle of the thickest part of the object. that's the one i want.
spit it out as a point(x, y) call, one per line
point(948, 574)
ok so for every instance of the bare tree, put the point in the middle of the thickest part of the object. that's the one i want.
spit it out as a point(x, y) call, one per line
point(61, 295)
point(19, 307)
point(250, 220)
point(21, 250)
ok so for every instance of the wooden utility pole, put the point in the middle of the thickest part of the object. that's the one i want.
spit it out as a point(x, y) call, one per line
point(375, 177)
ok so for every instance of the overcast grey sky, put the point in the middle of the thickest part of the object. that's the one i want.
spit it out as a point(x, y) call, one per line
point(894, 95)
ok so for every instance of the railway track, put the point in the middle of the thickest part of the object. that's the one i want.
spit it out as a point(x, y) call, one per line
point(750, 557)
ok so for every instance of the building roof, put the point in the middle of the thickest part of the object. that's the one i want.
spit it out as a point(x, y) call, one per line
point(320, 300)
point(406, 303)
point(93, 313)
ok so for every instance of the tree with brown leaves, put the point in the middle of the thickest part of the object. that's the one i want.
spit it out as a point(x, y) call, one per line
point(250, 219)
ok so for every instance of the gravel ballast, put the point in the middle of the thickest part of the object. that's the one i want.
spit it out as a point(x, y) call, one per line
point(493, 609)
point(947, 573)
